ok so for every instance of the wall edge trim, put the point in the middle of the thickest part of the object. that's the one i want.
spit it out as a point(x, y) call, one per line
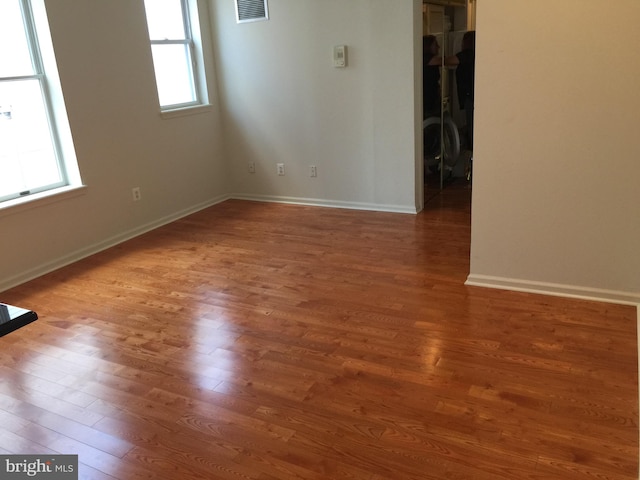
point(554, 289)
point(319, 202)
point(85, 252)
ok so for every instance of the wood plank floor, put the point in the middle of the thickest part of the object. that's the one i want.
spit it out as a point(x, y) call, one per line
point(266, 341)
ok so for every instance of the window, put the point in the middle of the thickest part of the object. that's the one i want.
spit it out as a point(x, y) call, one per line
point(31, 159)
point(174, 34)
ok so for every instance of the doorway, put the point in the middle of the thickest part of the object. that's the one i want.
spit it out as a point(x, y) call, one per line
point(447, 127)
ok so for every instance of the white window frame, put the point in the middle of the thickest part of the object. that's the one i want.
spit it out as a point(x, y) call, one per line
point(193, 42)
point(45, 72)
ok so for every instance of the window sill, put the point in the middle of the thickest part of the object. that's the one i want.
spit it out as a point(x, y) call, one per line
point(183, 112)
point(18, 205)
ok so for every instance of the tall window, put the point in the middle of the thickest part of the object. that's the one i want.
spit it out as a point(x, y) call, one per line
point(172, 25)
point(30, 157)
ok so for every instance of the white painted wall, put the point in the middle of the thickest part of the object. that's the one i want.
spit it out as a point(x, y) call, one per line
point(284, 102)
point(121, 141)
point(556, 202)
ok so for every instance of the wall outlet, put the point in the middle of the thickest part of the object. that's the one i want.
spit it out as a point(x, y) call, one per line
point(313, 171)
point(252, 167)
point(280, 168)
point(135, 192)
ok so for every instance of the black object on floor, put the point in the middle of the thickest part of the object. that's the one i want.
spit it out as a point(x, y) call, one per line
point(12, 318)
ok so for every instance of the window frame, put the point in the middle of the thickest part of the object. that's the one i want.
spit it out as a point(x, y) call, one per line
point(31, 27)
point(192, 42)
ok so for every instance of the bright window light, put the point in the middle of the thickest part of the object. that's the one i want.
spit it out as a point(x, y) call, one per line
point(174, 52)
point(30, 160)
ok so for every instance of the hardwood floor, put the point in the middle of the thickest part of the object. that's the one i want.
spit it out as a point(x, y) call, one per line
point(266, 341)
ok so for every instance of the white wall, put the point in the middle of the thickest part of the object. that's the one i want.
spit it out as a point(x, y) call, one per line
point(284, 102)
point(556, 202)
point(121, 141)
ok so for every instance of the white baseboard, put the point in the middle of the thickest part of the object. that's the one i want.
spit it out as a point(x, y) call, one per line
point(555, 289)
point(7, 283)
point(43, 269)
point(320, 202)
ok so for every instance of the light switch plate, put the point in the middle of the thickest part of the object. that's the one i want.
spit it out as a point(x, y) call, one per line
point(340, 56)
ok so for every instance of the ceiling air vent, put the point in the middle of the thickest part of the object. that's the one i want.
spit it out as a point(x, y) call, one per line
point(251, 10)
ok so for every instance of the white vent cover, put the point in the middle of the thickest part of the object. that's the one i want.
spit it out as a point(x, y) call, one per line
point(251, 10)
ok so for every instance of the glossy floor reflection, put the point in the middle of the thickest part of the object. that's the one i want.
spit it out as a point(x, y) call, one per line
point(266, 341)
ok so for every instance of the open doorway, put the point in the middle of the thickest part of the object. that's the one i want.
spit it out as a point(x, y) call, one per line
point(448, 28)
